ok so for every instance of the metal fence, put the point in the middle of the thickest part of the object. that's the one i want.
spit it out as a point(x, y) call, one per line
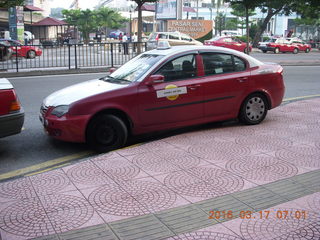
point(74, 56)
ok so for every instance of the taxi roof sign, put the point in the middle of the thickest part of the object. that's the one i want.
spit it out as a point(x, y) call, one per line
point(163, 45)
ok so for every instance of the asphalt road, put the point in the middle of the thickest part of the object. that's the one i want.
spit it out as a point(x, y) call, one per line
point(32, 146)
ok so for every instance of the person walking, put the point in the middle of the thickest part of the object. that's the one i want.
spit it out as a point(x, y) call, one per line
point(125, 44)
point(134, 40)
point(120, 40)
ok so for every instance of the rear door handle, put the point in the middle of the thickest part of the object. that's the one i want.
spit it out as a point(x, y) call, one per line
point(242, 79)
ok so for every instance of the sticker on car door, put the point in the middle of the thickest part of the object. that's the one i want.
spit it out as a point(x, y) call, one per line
point(171, 92)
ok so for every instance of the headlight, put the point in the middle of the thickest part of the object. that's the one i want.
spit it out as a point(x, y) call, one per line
point(61, 110)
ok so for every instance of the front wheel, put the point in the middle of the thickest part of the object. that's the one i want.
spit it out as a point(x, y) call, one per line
point(276, 50)
point(264, 51)
point(106, 132)
point(295, 51)
point(254, 109)
point(31, 54)
point(307, 50)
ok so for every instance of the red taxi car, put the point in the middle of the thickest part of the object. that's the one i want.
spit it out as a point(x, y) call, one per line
point(278, 45)
point(302, 46)
point(11, 113)
point(25, 51)
point(164, 89)
point(228, 42)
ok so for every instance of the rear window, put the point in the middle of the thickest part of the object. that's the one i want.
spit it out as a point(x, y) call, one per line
point(154, 36)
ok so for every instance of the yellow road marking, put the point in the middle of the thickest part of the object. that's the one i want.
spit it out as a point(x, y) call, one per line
point(47, 169)
point(302, 97)
point(47, 164)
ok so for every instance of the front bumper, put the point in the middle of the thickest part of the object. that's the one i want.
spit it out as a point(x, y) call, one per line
point(11, 124)
point(67, 128)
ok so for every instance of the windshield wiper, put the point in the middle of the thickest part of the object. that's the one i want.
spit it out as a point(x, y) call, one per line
point(114, 80)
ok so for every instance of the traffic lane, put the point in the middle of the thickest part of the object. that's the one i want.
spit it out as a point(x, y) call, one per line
point(284, 57)
point(301, 81)
point(32, 146)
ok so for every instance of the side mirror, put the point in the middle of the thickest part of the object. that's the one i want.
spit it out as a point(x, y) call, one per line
point(111, 70)
point(153, 79)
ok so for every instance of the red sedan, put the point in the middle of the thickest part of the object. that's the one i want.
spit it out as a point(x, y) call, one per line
point(302, 46)
point(25, 51)
point(11, 113)
point(164, 89)
point(228, 42)
point(278, 45)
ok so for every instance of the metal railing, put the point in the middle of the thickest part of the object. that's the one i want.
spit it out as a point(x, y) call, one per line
point(72, 56)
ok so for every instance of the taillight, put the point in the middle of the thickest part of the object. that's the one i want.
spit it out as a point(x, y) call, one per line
point(157, 37)
point(14, 106)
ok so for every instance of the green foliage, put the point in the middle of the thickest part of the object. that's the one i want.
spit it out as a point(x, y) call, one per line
point(89, 21)
point(243, 38)
point(11, 3)
point(231, 24)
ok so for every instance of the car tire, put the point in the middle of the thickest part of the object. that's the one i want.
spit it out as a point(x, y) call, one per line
point(295, 51)
point(31, 54)
point(106, 132)
point(307, 50)
point(253, 109)
point(264, 51)
point(276, 50)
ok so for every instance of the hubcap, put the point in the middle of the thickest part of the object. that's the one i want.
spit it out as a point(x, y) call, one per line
point(255, 108)
point(106, 135)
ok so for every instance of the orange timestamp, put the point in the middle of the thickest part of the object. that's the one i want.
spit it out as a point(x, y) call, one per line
point(263, 214)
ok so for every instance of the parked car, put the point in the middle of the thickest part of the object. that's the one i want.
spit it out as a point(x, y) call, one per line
point(173, 38)
point(302, 46)
point(25, 51)
point(228, 42)
point(11, 112)
point(5, 51)
point(164, 89)
point(278, 45)
point(115, 34)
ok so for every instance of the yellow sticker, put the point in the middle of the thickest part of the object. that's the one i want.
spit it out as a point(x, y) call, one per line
point(174, 97)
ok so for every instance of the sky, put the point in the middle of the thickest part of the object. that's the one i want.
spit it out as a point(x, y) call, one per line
point(84, 4)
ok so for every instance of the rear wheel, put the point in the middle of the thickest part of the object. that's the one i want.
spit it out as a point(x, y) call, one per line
point(307, 50)
point(106, 132)
point(295, 51)
point(276, 50)
point(31, 54)
point(264, 51)
point(253, 109)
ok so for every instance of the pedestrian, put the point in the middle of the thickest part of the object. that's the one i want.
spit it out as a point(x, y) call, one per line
point(125, 44)
point(134, 40)
point(120, 40)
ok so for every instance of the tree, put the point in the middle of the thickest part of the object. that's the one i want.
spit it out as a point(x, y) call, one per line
point(11, 3)
point(219, 16)
point(239, 11)
point(140, 3)
point(92, 20)
point(248, 5)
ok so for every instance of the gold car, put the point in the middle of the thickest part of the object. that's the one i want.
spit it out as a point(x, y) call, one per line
point(174, 39)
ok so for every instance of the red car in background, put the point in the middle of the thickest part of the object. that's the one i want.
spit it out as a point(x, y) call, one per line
point(228, 42)
point(278, 45)
point(302, 46)
point(11, 113)
point(25, 51)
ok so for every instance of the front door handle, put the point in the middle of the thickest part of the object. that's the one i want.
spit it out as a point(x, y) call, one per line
point(242, 79)
point(194, 87)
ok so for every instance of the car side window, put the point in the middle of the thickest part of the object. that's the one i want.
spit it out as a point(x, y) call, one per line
point(218, 63)
point(180, 68)
point(174, 36)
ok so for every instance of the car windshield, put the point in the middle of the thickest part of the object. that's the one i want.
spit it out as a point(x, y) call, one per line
point(134, 69)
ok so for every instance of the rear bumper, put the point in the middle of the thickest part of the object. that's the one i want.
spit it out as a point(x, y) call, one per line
point(11, 124)
point(265, 48)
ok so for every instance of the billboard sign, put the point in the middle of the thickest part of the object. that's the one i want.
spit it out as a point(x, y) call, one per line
point(166, 9)
point(194, 28)
point(16, 24)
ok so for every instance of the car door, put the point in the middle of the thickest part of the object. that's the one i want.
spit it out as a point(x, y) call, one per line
point(226, 81)
point(176, 99)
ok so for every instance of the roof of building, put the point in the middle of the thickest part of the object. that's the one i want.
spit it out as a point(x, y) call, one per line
point(48, 21)
point(31, 8)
